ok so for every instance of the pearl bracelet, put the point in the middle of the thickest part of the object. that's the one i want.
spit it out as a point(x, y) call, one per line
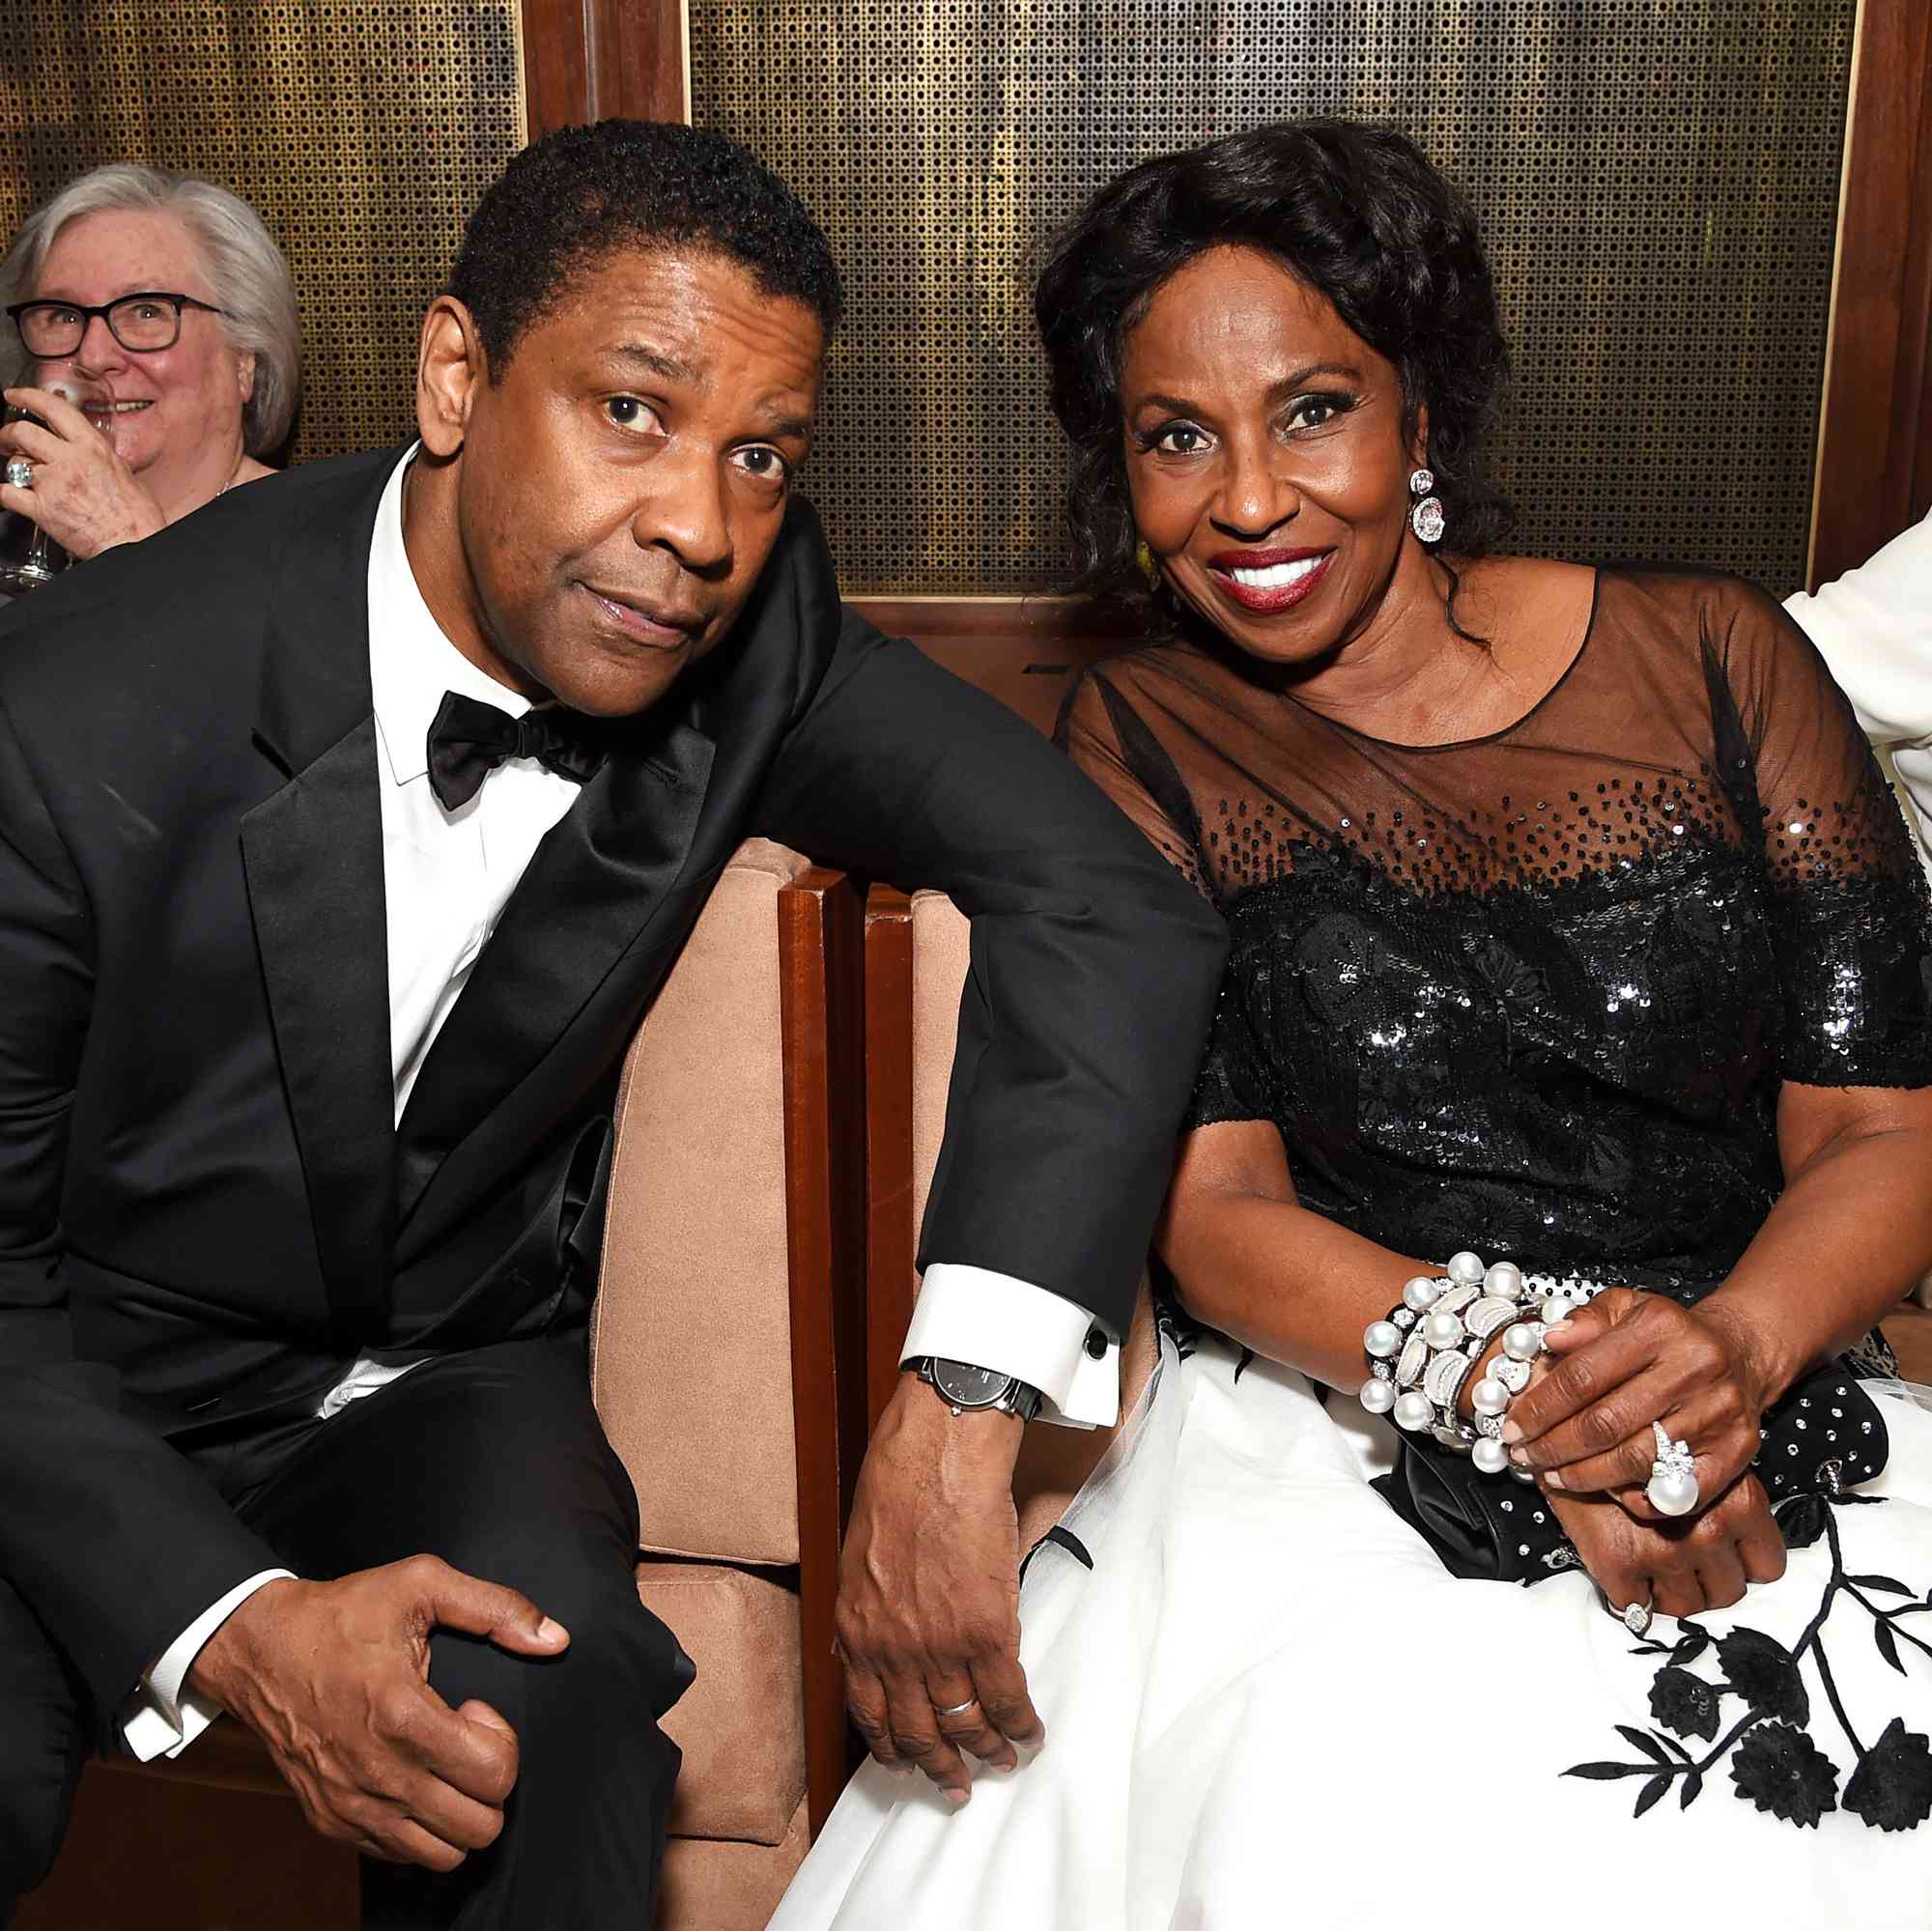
point(1421, 1354)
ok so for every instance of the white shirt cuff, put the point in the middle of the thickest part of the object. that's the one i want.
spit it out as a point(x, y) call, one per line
point(160, 1718)
point(1050, 1343)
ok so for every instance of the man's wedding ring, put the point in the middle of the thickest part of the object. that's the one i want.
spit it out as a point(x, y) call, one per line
point(1672, 1489)
point(20, 473)
point(958, 1709)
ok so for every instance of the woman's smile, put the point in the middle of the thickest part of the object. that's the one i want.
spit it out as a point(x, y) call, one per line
point(1268, 582)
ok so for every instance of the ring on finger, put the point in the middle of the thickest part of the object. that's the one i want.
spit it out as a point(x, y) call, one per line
point(956, 1709)
point(1672, 1489)
point(20, 473)
point(1635, 1617)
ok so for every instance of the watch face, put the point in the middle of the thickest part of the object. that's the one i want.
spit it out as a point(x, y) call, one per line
point(967, 1386)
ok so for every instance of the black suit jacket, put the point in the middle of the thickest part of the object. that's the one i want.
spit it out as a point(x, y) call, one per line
point(205, 1208)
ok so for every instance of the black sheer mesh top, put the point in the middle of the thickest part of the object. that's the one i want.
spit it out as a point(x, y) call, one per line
point(1536, 993)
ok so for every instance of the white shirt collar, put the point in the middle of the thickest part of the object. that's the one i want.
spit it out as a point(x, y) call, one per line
point(411, 663)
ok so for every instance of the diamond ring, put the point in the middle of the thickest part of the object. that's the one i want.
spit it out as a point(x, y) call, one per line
point(1672, 1490)
point(20, 473)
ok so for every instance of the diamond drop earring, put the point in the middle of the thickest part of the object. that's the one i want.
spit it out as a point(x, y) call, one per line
point(1426, 519)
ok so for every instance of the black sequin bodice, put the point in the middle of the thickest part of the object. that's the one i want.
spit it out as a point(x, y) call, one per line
point(1537, 994)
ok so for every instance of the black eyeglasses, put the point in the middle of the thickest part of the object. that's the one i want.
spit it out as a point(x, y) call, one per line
point(141, 323)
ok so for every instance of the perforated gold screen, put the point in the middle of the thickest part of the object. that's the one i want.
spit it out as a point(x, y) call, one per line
point(1658, 181)
point(362, 131)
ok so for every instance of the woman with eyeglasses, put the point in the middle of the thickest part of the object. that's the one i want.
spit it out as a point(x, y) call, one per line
point(169, 294)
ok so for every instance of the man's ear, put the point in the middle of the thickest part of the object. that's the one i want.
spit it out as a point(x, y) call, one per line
point(451, 368)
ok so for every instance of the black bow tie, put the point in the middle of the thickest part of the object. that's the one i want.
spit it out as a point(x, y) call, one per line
point(470, 739)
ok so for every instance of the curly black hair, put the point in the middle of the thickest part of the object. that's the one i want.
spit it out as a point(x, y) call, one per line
point(1359, 213)
point(575, 197)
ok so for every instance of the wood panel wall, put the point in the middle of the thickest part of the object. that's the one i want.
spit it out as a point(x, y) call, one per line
point(1875, 436)
point(589, 60)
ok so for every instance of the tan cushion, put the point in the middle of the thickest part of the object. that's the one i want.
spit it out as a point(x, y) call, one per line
point(741, 1724)
point(941, 952)
point(714, 1886)
point(692, 1333)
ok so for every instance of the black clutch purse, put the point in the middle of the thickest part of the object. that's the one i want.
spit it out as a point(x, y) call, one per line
point(1498, 1530)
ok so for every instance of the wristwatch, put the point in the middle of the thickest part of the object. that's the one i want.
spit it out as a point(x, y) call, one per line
point(966, 1386)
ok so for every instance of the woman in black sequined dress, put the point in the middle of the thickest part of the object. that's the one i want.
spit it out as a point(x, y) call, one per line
point(1572, 924)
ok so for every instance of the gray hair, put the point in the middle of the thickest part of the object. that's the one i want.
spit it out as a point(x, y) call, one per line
point(245, 270)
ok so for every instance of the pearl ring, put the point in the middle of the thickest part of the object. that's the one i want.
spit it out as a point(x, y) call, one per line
point(20, 473)
point(1672, 1489)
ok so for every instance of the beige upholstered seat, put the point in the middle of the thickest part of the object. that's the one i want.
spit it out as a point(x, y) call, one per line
point(692, 1370)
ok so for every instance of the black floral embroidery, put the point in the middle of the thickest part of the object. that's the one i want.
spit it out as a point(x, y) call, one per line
point(1343, 968)
point(1515, 985)
point(1891, 1788)
point(1765, 1674)
point(1776, 1764)
point(1783, 1771)
point(1685, 1703)
point(1801, 1520)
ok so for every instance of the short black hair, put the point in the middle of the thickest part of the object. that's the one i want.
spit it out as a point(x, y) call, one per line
point(571, 199)
point(1359, 215)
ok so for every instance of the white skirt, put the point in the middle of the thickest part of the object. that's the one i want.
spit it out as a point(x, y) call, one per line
point(1267, 1704)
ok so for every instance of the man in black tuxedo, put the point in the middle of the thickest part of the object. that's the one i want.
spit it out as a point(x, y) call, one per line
point(346, 829)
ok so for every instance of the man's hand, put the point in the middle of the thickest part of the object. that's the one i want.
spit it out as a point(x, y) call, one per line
point(1681, 1568)
point(929, 1592)
point(334, 1678)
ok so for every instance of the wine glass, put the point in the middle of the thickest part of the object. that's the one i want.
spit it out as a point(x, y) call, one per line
point(43, 558)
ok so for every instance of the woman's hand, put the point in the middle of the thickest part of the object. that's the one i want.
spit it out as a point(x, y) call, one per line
point(83, 495)
point(1682, 1568)
point(1622, 1362)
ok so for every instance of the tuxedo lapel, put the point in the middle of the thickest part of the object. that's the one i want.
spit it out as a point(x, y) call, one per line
point(595, 885)
point(313, 858)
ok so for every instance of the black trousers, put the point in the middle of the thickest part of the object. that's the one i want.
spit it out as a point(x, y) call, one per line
point(495, 1461)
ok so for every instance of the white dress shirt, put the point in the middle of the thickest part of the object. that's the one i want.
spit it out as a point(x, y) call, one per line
point(447, 877)
point(1874, 628)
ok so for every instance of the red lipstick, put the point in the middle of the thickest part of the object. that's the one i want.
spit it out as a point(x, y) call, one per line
point(1271, 598)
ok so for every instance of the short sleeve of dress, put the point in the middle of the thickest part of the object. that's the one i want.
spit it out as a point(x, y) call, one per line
point(1103, 734)
point(1236, 1081)
point(1848, 898)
